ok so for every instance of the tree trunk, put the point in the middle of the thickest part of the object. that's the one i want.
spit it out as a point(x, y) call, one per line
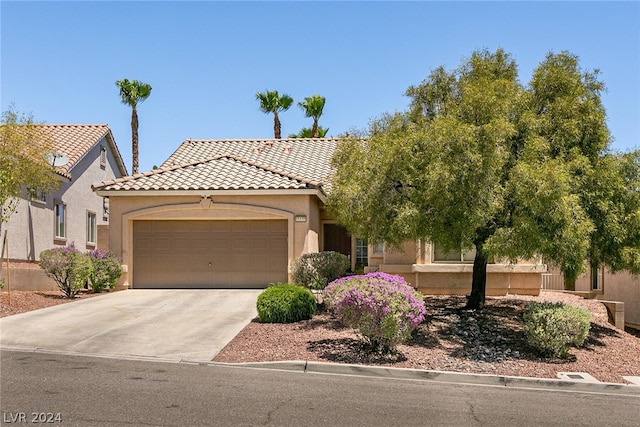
point(314, 129)
point(134, 141)
point(569, 284)
point(479, 281)
point(276, 126)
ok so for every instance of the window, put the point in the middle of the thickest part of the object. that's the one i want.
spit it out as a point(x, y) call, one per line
point(60, 211)
point(596, 279)
point(103, 156)
point(91, 228)
point(37, 195)
point(440, 254)
point(378, 247)
point(361, 252)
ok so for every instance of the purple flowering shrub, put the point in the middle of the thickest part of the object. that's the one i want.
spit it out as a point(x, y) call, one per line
point(383, 308)
point(105, 272)
point(68, 267)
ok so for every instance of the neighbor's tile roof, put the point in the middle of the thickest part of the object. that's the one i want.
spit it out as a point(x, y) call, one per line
point(75, 141)
point(236, 165)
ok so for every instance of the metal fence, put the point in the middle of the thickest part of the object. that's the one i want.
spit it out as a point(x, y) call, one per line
point(552, 281)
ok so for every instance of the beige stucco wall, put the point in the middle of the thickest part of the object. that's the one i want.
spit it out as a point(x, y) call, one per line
point(125, 210)
point(27, 278)
point(623, 287)
point(414, 261)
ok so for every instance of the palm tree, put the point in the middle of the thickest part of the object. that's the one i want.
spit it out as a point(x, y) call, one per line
point(272, 102)
point(312, 107)
point(306, 133)
point(131, 93)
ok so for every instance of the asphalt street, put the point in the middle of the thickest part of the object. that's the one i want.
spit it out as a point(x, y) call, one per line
point(98, 391)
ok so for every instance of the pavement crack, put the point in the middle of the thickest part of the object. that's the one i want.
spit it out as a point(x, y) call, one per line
point(271, 412)
point(472, 411)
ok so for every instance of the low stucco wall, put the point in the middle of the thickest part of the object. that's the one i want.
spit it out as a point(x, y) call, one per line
point(455, 279)
point(33, 278)
point(30, 278)
point(623, 287)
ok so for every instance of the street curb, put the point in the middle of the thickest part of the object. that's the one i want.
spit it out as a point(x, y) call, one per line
point(440, 376)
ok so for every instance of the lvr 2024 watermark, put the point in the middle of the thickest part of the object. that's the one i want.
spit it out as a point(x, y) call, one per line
point(31, 417)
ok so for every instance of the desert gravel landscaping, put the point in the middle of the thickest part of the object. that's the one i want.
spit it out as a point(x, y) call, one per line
point(450, 339)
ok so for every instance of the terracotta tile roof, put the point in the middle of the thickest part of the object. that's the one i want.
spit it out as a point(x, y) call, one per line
point(75, 141)
point(236, 165)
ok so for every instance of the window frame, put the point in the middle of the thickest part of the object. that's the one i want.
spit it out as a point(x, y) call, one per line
point(57, 223)
point(466, 256)
point(361, 252)
point(92, 229)
point(37, 195)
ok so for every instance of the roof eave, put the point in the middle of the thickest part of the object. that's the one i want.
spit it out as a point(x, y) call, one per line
point(207, 193)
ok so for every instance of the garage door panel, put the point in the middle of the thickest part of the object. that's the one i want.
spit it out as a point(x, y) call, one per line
point(260, 263)
point(260, 244)
point(278, 227)
point(260, 226)
point(240, 265)
point(240, 244)
point(220, 226)
point(199, 244)
point(162, 244)
point(199, 278)
point(181, 244)
point(221, 262)
point(177, 253)
point(220, 243)
point(240, 226)
point(278, 244)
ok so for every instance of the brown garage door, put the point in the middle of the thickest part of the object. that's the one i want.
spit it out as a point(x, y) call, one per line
point(209, 254)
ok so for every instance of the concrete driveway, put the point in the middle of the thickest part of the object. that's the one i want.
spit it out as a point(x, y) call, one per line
point(176, 325)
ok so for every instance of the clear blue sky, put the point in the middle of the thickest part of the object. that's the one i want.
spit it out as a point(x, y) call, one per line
point(206, 60)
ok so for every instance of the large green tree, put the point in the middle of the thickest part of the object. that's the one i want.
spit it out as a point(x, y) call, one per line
point(612, 200)
point(474, 163)
point(133, 92)
point(570, 116)
point(273, 103)
point(313, 106)
point(25, 153)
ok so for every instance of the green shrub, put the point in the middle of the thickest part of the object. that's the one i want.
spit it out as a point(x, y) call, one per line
point(68, 267)
point(316, 270)
point(552, 327)
point(285, 303)
point(105, 272)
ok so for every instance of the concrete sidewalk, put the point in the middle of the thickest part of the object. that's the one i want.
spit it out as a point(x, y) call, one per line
point(171, 325)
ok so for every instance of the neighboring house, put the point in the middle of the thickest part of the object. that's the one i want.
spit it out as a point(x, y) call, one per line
point(235, 213)
point(73, 213)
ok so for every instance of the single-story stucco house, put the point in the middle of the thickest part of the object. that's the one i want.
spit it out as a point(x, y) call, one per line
point(235, 213)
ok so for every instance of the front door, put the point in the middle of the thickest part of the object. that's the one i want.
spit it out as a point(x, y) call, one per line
point(337, 238)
